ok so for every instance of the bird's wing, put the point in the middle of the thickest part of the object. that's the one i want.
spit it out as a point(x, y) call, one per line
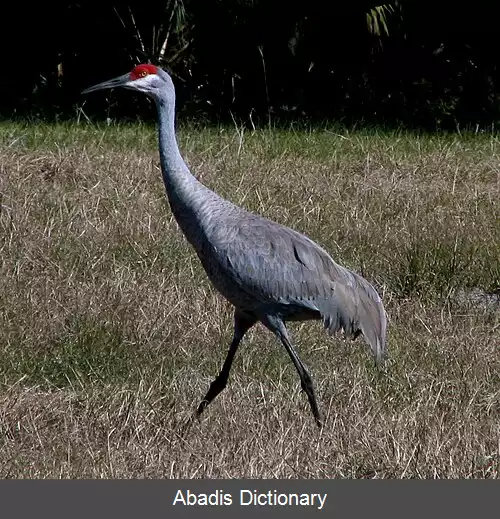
point(276, 264)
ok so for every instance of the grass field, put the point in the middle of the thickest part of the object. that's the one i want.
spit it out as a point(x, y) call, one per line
point(110, 333)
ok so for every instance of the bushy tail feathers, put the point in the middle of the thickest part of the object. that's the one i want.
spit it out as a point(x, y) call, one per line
point(358, 309)
point(372, 319)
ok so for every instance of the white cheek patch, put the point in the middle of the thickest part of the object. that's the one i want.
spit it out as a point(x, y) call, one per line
point(143, 82)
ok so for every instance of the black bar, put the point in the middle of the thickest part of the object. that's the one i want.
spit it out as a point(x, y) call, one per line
point(239, 498)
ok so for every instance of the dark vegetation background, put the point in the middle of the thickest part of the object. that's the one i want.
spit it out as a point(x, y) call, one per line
point(424, 64)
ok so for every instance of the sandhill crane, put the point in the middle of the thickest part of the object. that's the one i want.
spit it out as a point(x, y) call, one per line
point(269, 272)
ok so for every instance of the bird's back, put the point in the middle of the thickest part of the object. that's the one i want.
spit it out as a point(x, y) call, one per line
point(265, 268)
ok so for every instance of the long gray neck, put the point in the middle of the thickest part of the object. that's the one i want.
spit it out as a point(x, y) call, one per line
point(186, 195)
point(175, 171)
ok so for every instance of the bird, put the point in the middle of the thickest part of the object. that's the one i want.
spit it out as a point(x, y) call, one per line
point(270, 273)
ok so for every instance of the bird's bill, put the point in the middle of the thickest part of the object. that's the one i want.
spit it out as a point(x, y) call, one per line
point(112, 83)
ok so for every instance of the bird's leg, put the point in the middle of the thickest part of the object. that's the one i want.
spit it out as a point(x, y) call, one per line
point(242, 323)
point(277, 326)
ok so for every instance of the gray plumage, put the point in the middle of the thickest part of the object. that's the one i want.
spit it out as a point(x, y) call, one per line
point(269, 272)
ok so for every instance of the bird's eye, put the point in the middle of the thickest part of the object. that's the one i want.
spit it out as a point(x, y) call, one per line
point(143, 73)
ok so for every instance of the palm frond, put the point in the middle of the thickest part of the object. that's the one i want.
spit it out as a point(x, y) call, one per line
point(377, 18)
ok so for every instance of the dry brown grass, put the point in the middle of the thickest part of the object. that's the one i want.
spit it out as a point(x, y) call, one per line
point(110, 333)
